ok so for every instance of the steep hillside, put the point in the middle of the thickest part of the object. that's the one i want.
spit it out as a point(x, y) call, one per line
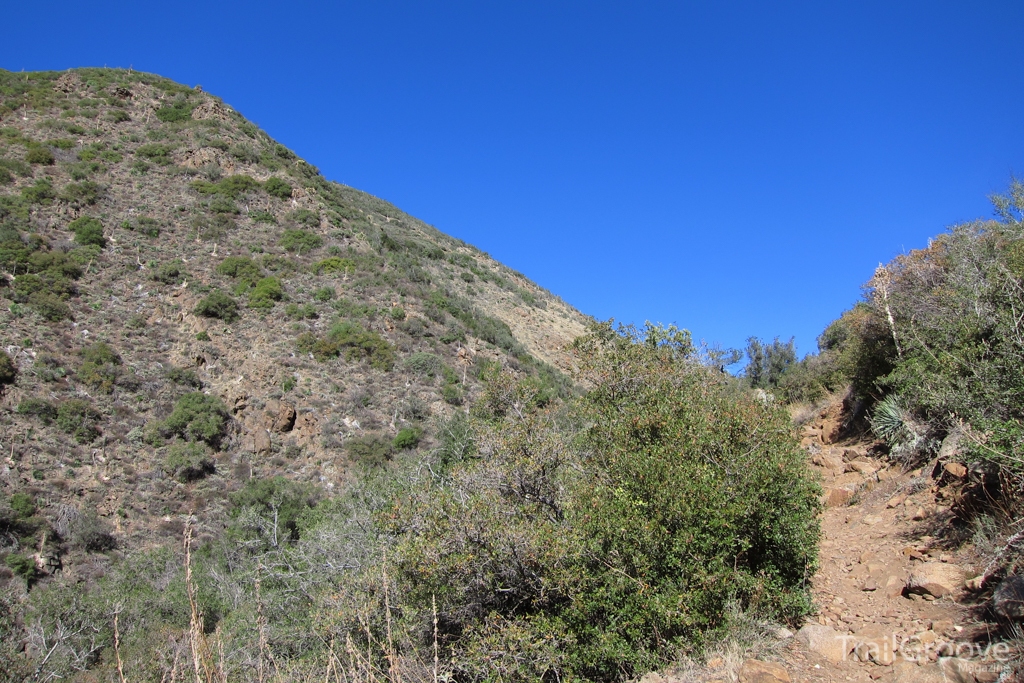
point(156, 248)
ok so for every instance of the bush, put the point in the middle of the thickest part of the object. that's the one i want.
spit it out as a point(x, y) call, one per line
point(78, 418)
point(407, 438)
point(40, 155)
point(324, 294)
point(184, 377)
point(177, 112)
point(299, 241)
point(39, 408)
point(424, 363)
point(82, 194)
point(41, 192)
point(265, 293)
point(170, 273)
point(604, 541)
point(49, 306)
point(218, 305)
point(155, 152)
point(197, 417)
point(23, 505)
point(8, 370)
point(276, 187)
point(22, 566)
point(188, 462)
point(88, 231)
point(271, 510)
point(355, 341)
point(101, 366)
point(369, 451)
point(241, 268)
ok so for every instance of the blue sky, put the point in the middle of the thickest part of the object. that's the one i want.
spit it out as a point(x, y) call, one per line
point(737, 168)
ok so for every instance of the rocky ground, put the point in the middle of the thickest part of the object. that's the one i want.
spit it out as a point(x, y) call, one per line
point(892, 583)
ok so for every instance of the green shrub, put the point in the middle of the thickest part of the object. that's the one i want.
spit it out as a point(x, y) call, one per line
point(241, 268)
point(79, 419)
point(300, 312)
point(397, 313)
point(369, 451)
point(407, 438)
point(188, 462)
point(197, 417)
point(39, 155)
point(184, 377)
point(276, 187)
point(39, 408)
point(177, 112)
point(170, 273)
point(8, 370)
point(41, 192)
point(22, 566)
point(155, 152)
point(150, 227)
point(232, 187)
point(88, 230)
point(23, 505)
point(119, 116)
point(324, 294)
point(202, 336)
point(266, 292)
point(334, 264)
point(300, 241)
point(82, 194)
point(352, 340)
point(424, 363)
point(101, 366)
point(452, 394)
point(49, 306)
point(271, 511)
point(219, 305)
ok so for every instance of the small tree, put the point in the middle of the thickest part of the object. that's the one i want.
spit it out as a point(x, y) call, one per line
point(8, 370)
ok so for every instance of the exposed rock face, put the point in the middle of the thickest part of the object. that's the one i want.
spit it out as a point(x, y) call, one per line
point(935, 578)
point(826, 641)
point(756, 671)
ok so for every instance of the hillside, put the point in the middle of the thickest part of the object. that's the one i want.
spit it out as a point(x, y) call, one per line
point(155, 243)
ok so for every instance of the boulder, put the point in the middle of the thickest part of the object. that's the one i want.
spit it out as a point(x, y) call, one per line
point(875, 644)
point(825, 641)
point(280, 417)
point(829, 460)
point(838, 496)
point(935, 578)
point(756, 671)
point(865, 467)
point(1008, 599)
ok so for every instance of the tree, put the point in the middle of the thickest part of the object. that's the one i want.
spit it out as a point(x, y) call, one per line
point(768, 362)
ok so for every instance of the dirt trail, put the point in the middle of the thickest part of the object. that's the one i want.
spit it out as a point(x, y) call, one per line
point(892, 601)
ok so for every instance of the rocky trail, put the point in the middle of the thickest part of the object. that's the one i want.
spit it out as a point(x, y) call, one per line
point(891, 588)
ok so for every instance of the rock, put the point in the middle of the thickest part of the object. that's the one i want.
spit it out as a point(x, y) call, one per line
point(875, 644)
point(869, 585)
point(865, 467)
point(280, 416)
point(258, 441)
point(950, 447)
point(918, 515)
point(783, 633)
point(955, 469)
point(896, 501)
point(906, 671)
point(838, 496)
point(937, 579)
point(756, 671)
point(826, 642)
point(829, 459)
point(1008, 599)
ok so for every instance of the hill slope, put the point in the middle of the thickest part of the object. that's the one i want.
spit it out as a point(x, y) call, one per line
point(153, 243)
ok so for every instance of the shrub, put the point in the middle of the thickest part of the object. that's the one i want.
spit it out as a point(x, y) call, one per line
point(324, 294)
point(22, 566)
point(407, 438)
point(299, 241)
point(188, 462)
point(271, 510)
point(8, 370)
point(369, 451)
point(424, 363)
point(202, 336)
point(177, 112)
point(49, 306)
point(41, 192)
point(23, 505)
point(355, 341)
point(219, 305)
point(91, 534)
point(88, 231)
point(184, 377)
point(241, 268)
point(155, 152)
point(78, 418)
point(276, 187)
point(39, 408)
point(82, 194)
point(197, 417)
point(333, 264)
point(39, 155)
point(265, 293)
point(170, 273)
point(119, 116)
point(101, 366)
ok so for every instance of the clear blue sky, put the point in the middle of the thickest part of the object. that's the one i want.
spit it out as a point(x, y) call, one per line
point(738, 168)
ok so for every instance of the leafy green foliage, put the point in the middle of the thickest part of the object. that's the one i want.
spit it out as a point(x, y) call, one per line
point(170, 273)
point(197, 417)
point(300, 241)
point(8, 370)
point(369, 451)
point(156, 152)
point(88, 230)
point(188, 461)
point(241, 268)
point(219, 305)
point(178, 111)
point(276, 187)
point(408, 437)
point(232, 187)
point(39, 155)
point(268, 513)
point(354, 341)
point(81, 194)
point(266, 292)
point(39, 408)
point(767, 363)
point(101, 366)
point(78, 418)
